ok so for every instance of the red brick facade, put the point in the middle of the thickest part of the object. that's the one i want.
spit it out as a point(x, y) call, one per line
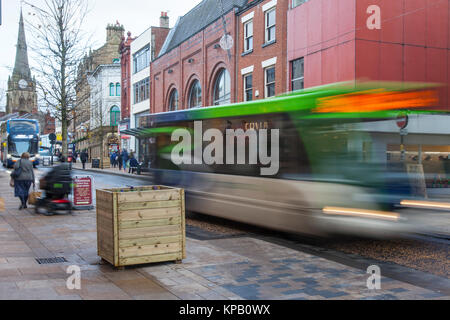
point(125, 61)
point(197, 58)
point(412, 44)
point(261, 51)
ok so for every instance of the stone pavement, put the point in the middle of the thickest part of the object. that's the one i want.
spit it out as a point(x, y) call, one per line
point(114, 171)
point(228, 268)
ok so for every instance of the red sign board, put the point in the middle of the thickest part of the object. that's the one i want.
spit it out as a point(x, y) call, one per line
point(402, 121)
point(82, 191)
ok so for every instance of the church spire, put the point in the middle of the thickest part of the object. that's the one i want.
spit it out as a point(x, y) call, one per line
point(21, 67)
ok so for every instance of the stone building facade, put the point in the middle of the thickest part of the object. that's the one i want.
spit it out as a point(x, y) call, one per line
point(107, 54)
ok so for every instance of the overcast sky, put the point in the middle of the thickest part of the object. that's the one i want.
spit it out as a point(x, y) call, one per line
point(135, 15)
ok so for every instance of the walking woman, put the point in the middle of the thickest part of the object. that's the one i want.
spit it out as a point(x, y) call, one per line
point(24, 179)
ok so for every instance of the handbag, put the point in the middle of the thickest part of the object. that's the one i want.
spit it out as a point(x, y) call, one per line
point(16, 173)
point(32, 198)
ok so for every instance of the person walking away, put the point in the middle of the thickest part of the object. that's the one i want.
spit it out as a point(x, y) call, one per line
point(83, 158)
point(120, 161)
point(23, 179)
point(124, 159)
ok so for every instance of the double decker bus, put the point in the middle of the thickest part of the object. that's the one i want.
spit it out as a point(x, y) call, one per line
point(19, 136)
point(297, 163)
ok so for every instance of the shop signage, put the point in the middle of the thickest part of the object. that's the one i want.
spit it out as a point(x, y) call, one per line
point(82, 192)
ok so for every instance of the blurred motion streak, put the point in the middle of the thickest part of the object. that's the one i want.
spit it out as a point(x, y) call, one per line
point(425, 204)
point(376, 100)
point(362, 213)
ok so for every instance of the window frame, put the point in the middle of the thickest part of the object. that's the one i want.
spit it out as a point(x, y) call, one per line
point(226, 98)
point(115, 118)
point(247, 37)
point(245, 76)
point(266, 83)
point(198, 91)
point(267, 27)
point(173, 96)
point(112, 89)
point(141, 59)
point(301, 78)
point(118, 89)
point(141, 90)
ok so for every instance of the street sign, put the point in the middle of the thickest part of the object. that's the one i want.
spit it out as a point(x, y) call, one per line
point(52, 137)
point(403, 132)
point(82, 192)
point(402, 120)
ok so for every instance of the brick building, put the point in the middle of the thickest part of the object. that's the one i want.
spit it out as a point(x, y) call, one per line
point(335, 41)
point(401, 40)
point(125, 63)
point(261, 49)
point(192, 70)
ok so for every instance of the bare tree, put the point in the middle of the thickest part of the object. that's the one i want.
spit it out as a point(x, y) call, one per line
point(59, 45)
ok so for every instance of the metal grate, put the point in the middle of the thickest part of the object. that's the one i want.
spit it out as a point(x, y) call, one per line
point(51, 260)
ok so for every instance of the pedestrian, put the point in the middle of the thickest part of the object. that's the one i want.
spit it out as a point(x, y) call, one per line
point(124, 159)
point(120, 161)
point(23, 176)
point(84, 158)
point(133, 164)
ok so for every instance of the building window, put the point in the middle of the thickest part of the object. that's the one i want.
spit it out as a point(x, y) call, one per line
point(118, 89)
point(222, 88)
point(141, 90)
point(248, 87)
point(248, 36)
point(173, 100)
point(111, 89)
point(270, 25)
point(114, 116)
point(296, 3)
point(270, 81)
point(298, 73)
point(141, 59)
point(195, 95)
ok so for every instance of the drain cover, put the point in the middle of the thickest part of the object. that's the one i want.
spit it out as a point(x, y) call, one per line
point(51, 260)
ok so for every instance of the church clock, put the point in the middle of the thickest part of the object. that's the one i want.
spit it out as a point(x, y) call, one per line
point(23, 84)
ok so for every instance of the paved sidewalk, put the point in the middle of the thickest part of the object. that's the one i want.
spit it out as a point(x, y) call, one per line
point(114, 171)
point(224, 268)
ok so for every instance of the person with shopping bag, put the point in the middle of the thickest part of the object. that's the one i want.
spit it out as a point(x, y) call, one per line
point(23, 176)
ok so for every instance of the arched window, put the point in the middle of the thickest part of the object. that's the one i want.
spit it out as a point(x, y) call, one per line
point(114, 116)
point(111, 89)
point(173, 100)
point(118, 89)
point(222, 88)
point(195, 95)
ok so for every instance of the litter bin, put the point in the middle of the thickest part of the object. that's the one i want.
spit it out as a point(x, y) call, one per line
point(141, 225)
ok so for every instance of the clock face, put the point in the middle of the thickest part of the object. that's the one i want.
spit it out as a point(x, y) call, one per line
point(23, 84)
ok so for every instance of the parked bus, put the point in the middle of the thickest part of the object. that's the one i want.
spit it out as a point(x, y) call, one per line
point(320, 178)
point(19, 136)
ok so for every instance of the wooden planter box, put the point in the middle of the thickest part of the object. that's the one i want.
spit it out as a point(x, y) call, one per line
point(141, 225)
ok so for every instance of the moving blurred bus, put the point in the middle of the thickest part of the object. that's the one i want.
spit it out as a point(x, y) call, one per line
point(19, 136)
point(315, 173)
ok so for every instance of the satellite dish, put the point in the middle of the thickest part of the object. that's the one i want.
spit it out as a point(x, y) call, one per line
point(226, 42)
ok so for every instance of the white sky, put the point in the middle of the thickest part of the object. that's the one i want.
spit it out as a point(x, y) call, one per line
point(135, 15)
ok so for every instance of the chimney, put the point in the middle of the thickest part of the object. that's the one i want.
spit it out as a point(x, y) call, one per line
point(164, 20)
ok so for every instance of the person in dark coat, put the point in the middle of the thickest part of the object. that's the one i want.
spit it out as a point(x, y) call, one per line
point(133, 164)
point(84, 158)
point(23, 182)
point(124, 159)
point(119, 160)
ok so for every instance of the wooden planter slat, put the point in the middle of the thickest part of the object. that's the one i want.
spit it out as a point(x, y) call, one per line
point(141, 225)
